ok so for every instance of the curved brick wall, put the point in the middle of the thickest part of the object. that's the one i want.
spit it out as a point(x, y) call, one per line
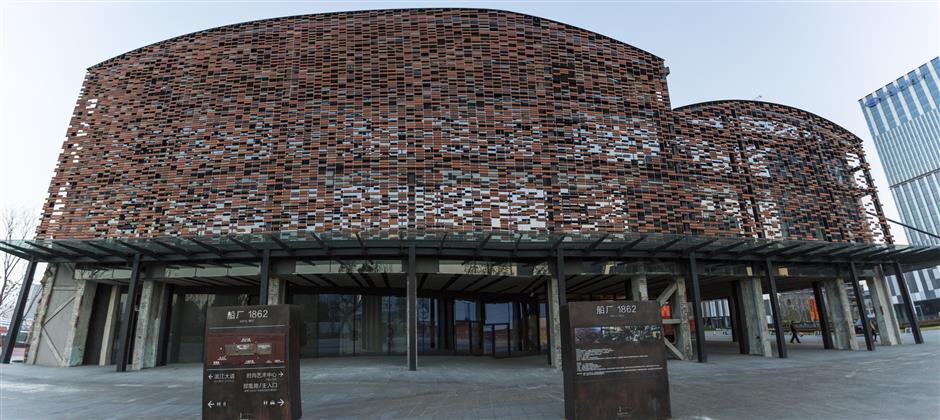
point(457, 119)
point(774, 171)
point(451, 119)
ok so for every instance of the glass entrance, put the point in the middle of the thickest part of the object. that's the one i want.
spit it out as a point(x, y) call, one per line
point(188, 323)
point(334, 324)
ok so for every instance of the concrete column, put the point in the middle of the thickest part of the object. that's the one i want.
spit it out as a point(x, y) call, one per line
point(840, 314)
point(55, 323)
point(680, 310)
point(42, 310)
point(638, 290)
point(107, 340)
point(754, 319)
point(554, 323)
point(889, 333)
point(74, 348)
point(149, 317)
point(277, 291)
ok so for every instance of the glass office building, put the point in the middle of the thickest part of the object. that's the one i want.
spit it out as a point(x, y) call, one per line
point(904, 120)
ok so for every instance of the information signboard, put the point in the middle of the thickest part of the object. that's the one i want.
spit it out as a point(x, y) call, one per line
point(251, 368)
point(614, 360)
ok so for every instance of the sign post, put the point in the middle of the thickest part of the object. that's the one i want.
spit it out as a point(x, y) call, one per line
point(614, 360)
point(252, 368)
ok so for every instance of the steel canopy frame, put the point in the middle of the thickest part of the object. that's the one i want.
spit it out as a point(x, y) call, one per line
point(494, 246)
point(491, 246)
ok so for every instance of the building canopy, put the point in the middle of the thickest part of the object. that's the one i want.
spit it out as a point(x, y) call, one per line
point(493, 245)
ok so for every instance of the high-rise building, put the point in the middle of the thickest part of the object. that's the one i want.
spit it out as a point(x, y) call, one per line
point(904, 119)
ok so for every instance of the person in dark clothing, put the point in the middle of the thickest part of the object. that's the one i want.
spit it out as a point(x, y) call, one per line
point(874, 329)
point(796, 334)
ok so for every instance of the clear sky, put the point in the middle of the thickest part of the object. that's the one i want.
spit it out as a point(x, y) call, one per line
point(821, 56)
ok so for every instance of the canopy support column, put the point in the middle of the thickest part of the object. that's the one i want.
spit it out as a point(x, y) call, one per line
point(908, 304)
point(823, 315)
point(412, 304)
point(697, 311)
point(265, 276)
point(17, 320)
point(775, 309)
point(127, 319)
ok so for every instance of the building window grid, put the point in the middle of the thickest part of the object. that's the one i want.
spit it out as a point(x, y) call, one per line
point(919, 130)
point(912, 107)
point(913, 205)
point(897, 108)
point(901, 201)
point(915, 149)
point(869, 118)
point(931, 197)
point(888, 111)
point(888, 154)
point(895, 155)
point(922, 99)
point(931, 81)
point(933, 202)
point(879, 118)
point(930, 134)
point(923, 207)
point(935, 66)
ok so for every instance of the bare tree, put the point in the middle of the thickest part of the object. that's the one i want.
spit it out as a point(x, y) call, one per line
point(15, 223)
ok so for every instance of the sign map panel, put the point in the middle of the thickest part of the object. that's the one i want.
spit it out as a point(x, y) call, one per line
point(251, 368)
point(614, 360)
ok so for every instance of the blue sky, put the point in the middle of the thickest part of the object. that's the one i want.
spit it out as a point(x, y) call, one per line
point(820, 56)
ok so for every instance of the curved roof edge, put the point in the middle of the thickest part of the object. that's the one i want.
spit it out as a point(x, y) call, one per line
point(351, 12)
point(751, 101)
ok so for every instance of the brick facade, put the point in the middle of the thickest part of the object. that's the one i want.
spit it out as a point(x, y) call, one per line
point(773, 171)
point(456, 119)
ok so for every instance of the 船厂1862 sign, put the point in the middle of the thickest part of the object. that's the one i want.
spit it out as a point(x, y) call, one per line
point(614, 360)
point(251, 368)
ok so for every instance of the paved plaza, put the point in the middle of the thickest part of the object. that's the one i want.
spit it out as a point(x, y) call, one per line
point(901, 382)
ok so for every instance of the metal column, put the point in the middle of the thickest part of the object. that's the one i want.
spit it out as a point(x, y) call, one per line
point(823, 315)
point(740, 320)
point(548, 319)
point(697, 311)
point(732, 313)
point(908, 304)
point(17, 321)
point(538, 325)
point(412, 286)
point(265, 276)
point(127, 318)
point(517, 318)
point(481, 324)
point(449, 323)
point(862, 311)
point(560, 276)
point(775, 308)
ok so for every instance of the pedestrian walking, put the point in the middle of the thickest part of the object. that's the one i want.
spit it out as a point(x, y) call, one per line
point(796, 334)
point(874, 329)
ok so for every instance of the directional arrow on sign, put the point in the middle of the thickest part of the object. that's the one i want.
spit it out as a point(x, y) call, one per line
point(211, 404)
point(280, 402)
